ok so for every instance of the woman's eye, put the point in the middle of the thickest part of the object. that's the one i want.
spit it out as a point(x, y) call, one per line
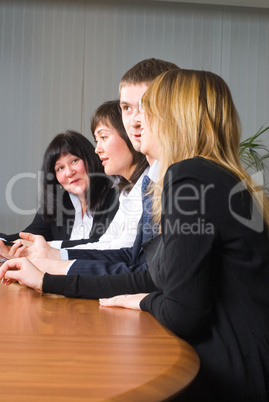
point(59, 169)
point(75, 160)
point(126, 108)
point(103, 137)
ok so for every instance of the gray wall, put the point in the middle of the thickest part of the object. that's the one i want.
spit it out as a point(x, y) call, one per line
point(60, 59)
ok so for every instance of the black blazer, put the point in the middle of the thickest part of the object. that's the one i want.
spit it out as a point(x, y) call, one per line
point(210, 286)
point(61, 228)
point(102, 262)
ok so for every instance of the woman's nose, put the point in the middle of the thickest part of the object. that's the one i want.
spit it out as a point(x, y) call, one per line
point(98, 148)
point(69, 171)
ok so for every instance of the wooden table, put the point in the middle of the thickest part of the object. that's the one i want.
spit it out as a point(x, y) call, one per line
point(59, 350)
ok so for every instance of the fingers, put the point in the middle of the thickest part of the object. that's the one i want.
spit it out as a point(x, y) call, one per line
point(18, 250)
point(26, 242)
point(32, 239)
point(28, 236)
point(128, 301)
point(12, 266)
point(118, 301)
point(15, 263)
point(4, 250)
point(23, 271)
point(11, 277)
point(8, 282)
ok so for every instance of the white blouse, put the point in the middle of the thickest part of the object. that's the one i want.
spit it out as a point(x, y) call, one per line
point(123, 228)
point(81, 227)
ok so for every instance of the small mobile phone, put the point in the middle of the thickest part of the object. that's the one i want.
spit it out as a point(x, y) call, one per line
point(8, 243)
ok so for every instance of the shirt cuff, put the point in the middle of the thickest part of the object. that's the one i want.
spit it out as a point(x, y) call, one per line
point(56, 244)
point(64, 254)
point(69, 266)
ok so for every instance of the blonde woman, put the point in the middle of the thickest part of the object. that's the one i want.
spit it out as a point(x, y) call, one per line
point(208, 270)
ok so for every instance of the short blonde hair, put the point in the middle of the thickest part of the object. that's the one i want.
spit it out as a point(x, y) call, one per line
point(192, 113)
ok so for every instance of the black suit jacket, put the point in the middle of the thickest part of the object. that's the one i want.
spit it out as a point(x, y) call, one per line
point(61, 228)
point(108, 262)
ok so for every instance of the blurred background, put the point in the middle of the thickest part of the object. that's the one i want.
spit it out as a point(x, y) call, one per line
point(59, 60)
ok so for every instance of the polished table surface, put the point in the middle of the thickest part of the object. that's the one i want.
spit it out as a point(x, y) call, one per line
point(58, 349)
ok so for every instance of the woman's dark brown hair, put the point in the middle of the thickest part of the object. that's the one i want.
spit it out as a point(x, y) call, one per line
point(110, 113)
point(72, 142)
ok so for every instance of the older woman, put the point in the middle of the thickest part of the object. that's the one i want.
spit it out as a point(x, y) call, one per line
point(78, 200)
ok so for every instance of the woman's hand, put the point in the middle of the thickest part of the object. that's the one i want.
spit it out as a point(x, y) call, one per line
point(23, 271)
point(39, 248)
point(126, 301)
point(15, 251)
point(4, 250)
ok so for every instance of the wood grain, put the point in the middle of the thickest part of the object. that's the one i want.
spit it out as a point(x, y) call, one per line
point(59, 349)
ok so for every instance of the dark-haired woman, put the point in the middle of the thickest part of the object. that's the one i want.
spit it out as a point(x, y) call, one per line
point(78, 199)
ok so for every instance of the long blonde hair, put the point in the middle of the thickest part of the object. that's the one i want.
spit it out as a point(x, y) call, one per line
point(191, 113)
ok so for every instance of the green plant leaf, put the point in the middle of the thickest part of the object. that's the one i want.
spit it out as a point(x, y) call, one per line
point(253, 153)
